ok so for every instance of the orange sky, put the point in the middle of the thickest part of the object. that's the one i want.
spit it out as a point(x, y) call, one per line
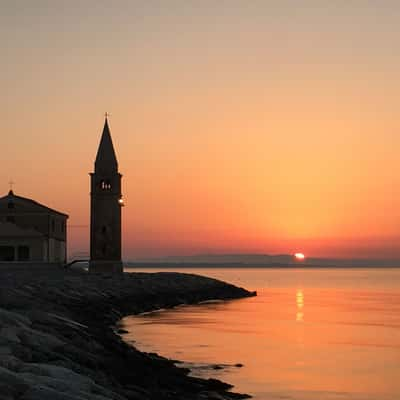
point(239, 128)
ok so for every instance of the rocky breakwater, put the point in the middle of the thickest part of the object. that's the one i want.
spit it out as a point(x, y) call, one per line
point(58, 341)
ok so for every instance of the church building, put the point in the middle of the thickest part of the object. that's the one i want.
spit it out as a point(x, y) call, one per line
point(31, 232)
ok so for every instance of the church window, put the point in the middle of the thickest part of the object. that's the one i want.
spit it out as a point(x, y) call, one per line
point(63, 227)
point(11, 204)
point(103, 229)
point(10, 218)
point(53, 225)
point(23, 253)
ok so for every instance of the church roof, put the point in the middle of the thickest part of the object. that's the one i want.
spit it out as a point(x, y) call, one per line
point(8, 229)
point(106, 159)
point(34, 205)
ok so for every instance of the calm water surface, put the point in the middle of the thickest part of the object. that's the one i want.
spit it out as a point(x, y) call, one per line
point(309, 334)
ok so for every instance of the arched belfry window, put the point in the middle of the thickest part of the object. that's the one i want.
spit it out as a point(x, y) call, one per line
point(105, 185)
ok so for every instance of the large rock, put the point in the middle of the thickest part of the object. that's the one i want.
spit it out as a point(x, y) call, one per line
point(10, 362)
point(59, 373)
point(36, 339)
point(44, 393)
point(9, 318)
point(9, 334)
point(11, 384)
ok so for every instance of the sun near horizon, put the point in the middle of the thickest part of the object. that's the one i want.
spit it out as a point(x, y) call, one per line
point(299, 256)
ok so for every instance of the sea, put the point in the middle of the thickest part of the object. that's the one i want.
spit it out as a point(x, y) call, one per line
point(310, 334)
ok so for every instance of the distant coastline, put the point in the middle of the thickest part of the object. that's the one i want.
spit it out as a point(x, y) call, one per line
point(239, 265)
point(258, 261)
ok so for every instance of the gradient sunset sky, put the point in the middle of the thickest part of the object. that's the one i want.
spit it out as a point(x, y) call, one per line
point(240, 126)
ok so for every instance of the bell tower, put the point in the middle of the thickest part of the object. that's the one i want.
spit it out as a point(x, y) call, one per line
point(105, 209)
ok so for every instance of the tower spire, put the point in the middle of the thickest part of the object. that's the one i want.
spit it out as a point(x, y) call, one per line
point(106, 159)
point(105, 208)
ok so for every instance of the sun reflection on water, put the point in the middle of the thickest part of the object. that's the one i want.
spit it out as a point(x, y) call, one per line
point(300, 305)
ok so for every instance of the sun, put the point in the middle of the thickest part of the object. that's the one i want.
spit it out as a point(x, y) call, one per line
point(299, 256)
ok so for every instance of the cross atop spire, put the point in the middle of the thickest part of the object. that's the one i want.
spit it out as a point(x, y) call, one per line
point(106, 159)
point(11, 183)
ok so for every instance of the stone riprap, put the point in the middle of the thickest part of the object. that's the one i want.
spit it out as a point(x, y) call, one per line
point(58, 339)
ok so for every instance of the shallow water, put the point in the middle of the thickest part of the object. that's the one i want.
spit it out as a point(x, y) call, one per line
point(309, 334)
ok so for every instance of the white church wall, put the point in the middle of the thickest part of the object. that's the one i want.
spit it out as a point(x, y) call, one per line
point(51, 249)
point(63, 252)
point(56, 251)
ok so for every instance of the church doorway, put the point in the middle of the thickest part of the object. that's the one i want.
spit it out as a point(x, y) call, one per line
point(7, 253)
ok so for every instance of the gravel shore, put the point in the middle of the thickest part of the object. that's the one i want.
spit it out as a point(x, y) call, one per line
point(58, 339)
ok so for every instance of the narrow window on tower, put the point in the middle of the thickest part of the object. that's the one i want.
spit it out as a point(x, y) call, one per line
point(105, 185)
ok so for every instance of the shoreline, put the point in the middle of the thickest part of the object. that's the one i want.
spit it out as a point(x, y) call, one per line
point(58, 337)
point(122, 330)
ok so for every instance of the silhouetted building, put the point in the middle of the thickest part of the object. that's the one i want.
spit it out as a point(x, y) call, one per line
point(31, 232)
point(105, 209)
